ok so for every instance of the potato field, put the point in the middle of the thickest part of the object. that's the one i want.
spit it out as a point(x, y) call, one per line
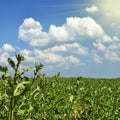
point(56, 97)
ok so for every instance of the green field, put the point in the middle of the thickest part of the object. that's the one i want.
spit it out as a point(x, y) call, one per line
point(59, 98)
point(56, 98)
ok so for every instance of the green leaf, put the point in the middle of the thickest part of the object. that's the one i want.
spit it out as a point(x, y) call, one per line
point(25, 70)
point(20, 88)
point(20, 58)
point(39, 66)
point(10, 81)
point(11, 63)
point(3, 69)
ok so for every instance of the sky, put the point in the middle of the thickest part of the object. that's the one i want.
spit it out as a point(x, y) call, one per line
point(74, 37)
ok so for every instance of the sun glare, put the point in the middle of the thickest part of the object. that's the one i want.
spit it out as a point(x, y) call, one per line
point(112, 7)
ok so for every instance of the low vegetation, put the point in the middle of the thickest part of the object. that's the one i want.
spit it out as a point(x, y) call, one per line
point(56, 98)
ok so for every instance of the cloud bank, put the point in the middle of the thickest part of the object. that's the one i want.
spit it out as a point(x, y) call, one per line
point(73, 43)
point(75, 29)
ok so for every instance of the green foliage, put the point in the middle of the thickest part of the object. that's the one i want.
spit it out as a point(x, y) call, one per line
point(3, 69)
point(56, 98)
point(11, 63)
point(38, 67)
point(14, 87)
point(19, 58)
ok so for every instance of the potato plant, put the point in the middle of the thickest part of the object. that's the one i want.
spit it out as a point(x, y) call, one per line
point(56, 97)
point(15, 87)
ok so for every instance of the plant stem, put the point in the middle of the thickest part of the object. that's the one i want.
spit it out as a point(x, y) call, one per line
point(11, 109)
point(12, 100)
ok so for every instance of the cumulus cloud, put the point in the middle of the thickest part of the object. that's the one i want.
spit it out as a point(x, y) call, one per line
point(67, 39)
point(96, 57)
point(49, 57)
point(59, 33)
point(114, 46)
point(8, 48)
point(3, 57)
point(72, 43)
point(5, 52)
point(99, 46)
point(92, 9)
point(31, 32)
point(29, 57)
point(75, 29)
point(75, 48)
point(109, 49)
point(83, 28)
point(72, 59)
point(116, 39)
point(112, 56)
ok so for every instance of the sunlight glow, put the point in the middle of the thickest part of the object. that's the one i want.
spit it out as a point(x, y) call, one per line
point(112, 7)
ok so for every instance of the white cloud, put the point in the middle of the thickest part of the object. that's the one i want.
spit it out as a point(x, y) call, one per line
point(96, 57)
point(31, 32)
point(49, 57)
point(29, 57)
point(72, 59)
point(75, 29)
point(106, 38)
point(75, 48)
point(70, 37)
point(3, 57)
point(8, 48)
point(99, 46)
point(5, 53)
point(60, 48)
point(109, 49)
point(72, 43)
point(83, 28)
point(112, 56)
point(115, 46)
point(59, 33)
point(91, 9)
point(116, 39)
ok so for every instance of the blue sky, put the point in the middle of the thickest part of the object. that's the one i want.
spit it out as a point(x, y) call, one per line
point(75, 37)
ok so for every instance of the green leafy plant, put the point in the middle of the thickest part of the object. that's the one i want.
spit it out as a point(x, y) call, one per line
point(56, 98)
point(14, 86)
